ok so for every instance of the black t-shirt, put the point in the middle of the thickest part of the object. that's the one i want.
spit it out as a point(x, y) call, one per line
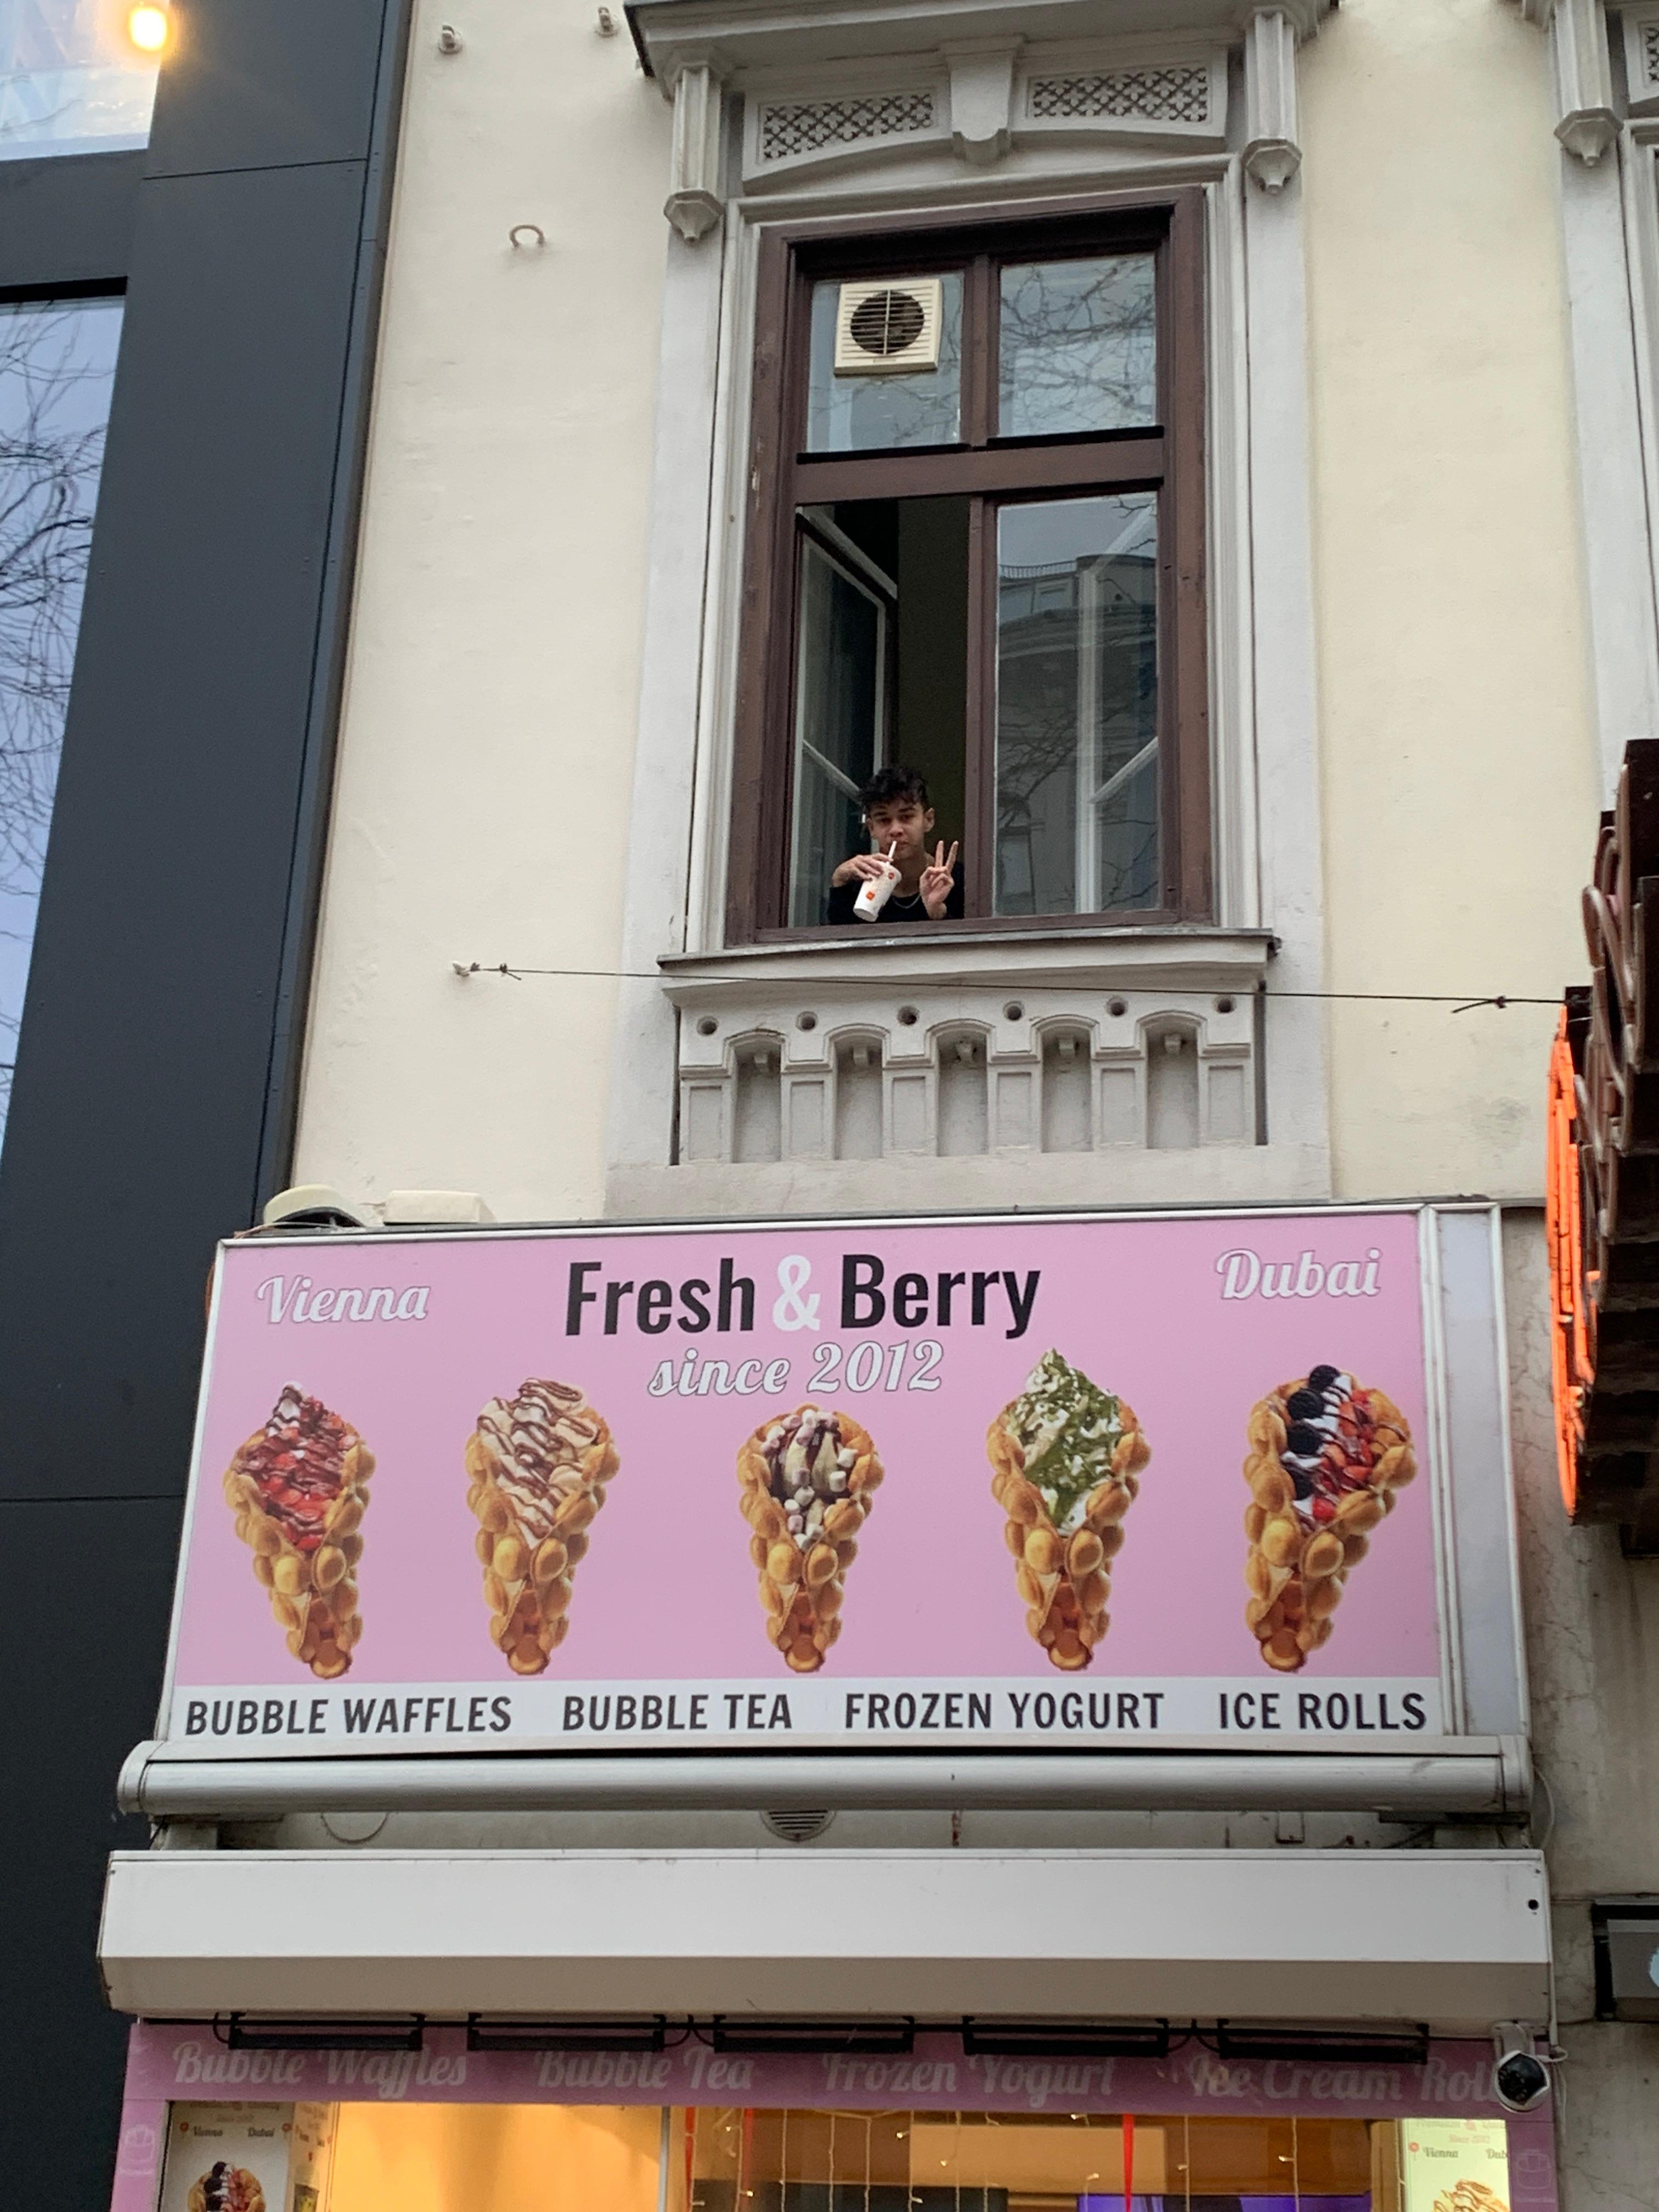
point(839, 914)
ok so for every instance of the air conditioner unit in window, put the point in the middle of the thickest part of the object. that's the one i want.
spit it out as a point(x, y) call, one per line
point(889, 328)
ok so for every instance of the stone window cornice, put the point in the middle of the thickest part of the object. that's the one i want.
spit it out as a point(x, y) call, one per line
point(834, 81)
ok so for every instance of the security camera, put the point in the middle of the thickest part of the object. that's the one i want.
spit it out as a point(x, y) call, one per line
point(1521, 2079)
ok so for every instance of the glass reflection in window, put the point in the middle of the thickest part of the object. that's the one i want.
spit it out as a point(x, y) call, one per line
point(841, 703)
point(866, 414)
point(57, 367)
point(1078, 346)
point(1077, 747)
point(71, 81)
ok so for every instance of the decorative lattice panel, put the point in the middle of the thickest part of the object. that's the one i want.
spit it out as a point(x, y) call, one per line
point(806, 126)
point(1651, 53)
point(1150, 95)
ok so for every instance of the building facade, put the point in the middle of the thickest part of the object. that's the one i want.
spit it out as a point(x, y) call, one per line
point(556, 456)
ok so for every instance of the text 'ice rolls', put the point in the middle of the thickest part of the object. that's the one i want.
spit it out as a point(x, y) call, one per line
point(806, 1482)
point(299, 1488)
point(538, 1465)
point(1066, 1456)
point(1325, 1460)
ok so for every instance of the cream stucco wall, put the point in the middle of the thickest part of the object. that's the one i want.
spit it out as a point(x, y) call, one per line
point(487, 744)
point(1460, 781)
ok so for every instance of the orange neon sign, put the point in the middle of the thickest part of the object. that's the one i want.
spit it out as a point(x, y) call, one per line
point(1572, 1356)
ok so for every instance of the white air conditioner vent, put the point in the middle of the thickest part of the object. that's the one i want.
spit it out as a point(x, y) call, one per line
point(889, 328)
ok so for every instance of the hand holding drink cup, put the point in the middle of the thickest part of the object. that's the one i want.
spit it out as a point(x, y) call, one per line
point(880, 879)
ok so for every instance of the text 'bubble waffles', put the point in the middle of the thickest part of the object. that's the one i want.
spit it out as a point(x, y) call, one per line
point(537, 1466)
point(1325, 1458)
point(1065, 1456)
point(807, 1482)
point(299, 1488)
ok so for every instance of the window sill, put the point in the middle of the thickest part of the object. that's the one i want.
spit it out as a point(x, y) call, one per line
point(1175, 956)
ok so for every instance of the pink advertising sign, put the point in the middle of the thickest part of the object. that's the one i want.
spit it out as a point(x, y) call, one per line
point(1007, 1482)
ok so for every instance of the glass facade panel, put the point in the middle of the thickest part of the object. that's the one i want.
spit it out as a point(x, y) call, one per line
point(1078, 346)
point(72, 80)
point(56, 369)
point(840, 713)
point(903, 2161)
point(868, 413)
point(1077, 743)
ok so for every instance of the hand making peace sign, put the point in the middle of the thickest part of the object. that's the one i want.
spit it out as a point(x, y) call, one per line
point(937, 879)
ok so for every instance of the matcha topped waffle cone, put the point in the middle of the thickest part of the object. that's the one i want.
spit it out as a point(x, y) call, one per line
point(299, 1488)
point(807, 1482)
point(537, 1468)
point(1066, 1457)
point(1326, 1457)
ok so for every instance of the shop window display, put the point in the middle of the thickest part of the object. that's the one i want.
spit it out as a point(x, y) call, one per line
point(359, 2156)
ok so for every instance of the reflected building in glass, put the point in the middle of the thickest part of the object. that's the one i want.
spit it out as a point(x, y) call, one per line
point(71, 79)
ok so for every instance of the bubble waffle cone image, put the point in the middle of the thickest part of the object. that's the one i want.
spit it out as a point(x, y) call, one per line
point(1325, 1458)
point(1469, 2196)
point(537, 1465)
point(807, 1480)
point(1065, 1456)
point(299, 1488)
point(226, 2188)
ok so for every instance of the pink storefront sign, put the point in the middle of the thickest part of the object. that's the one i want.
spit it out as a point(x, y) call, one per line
point(186, 2062)
point(674, 1604)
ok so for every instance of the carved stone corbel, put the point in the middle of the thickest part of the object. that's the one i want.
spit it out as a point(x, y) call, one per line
point(1588, 123)
point(1272, 153)
point(695, 202)
point(982, 97)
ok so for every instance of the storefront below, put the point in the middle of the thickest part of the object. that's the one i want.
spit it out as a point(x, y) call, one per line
point(445, 2128)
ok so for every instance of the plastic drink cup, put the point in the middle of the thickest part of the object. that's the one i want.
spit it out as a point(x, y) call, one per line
point(875, 891)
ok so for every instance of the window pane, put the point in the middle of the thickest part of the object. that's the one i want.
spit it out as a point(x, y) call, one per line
point(849, 414)
point(56, 365)
point(1077, 768)
point(70, 79)
point(1078, 346)
point(840, 697)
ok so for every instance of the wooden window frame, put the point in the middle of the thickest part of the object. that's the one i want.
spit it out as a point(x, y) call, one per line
point(1169, 458)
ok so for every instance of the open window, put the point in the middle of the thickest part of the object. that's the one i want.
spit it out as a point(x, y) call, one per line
point(977, 548)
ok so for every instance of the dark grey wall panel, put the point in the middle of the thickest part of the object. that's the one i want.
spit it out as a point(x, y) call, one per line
point(167, 879)
point(160, 1039)
point(67, 220)
point(244, 87)
point(90, 1672)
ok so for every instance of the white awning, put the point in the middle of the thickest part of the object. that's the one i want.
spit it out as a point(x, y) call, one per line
point(1454, 1939)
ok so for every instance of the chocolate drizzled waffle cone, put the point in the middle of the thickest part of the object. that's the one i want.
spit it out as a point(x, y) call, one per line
point(226, 2188)
point(1311, 1512)
point(807, 1482)
point(299, 1488)
point(538, 1465)
point(1065, 1456)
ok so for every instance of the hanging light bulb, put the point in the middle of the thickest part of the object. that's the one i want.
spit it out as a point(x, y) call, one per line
point(148, 27)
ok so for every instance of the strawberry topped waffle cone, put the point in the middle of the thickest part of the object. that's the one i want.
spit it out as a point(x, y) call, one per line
point(538, 1465)
point(227, 2188)
point(299, 1488)
point(1067, 1457)
point(1325, 1460)
point(807, 1482)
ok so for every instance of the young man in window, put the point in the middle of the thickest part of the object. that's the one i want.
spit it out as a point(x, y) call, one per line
point(897, 814)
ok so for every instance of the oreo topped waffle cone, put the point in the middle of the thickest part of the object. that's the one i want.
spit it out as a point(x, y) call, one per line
point(538, 1465)
point(227, 2188)
point(299, 1488)
point(1325, 1458)
point(1065, 1456)
point(807, 1483)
